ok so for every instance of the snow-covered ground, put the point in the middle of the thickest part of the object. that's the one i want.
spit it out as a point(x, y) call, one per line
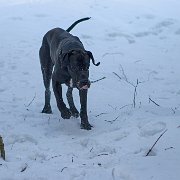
point(135, 40)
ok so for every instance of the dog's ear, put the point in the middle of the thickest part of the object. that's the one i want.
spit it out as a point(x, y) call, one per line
point(64, 60)
point(91, 57)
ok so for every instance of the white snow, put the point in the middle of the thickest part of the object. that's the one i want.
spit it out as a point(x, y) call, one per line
point(137, 40)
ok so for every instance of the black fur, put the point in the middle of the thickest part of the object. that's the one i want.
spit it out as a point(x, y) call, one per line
point(64, 60)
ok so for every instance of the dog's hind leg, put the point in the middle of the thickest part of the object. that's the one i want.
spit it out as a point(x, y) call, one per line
point(46, 68)
point(74, 111)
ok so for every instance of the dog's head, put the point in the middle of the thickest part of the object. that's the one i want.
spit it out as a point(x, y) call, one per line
point(77, 63)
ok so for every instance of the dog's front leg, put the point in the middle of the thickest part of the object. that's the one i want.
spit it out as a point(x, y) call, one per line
point(83, 112)
point(74, 111)
point(57, 88)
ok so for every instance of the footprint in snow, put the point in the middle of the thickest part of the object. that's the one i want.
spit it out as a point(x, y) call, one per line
point(152, 129)
point(157, 29)
point(177, 32)
point(121, 136)
point(143, 152)
point(101, 151)
point(115, 35)
point(12, 139)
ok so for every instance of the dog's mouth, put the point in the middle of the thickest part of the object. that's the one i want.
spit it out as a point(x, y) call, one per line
point(84, 85)
point(81, 85)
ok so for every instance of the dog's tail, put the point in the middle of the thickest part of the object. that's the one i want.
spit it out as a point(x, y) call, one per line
point(76, 22)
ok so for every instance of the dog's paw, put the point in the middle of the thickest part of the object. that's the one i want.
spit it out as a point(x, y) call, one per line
point(66, 113)
point(47, 109)
point(74, 113)
point(86, 126)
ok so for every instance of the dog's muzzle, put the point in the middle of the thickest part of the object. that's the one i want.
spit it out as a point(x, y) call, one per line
point(83, 85)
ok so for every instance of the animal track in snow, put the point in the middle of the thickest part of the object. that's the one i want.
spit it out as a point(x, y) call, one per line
point(88, 143)
point(177, 32)
point(101, 150)
point(21, 139)
point(157, 29)
point(164, 24)
point(144, 151)
point(115, 35)
point(121, 136)
point(151, 129)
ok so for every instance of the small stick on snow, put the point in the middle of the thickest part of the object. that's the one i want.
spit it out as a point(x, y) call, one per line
point(53, 157)
point(135, 93)
point(124, 77)
point(125, 106)
point(100, 114)
point(31, 101)
point(63, 169)
point(24, 168)
point(98, 80)
point(2, 150)
point(117, 75)
point(155, 143)
point(150, 100)
point(112, 107)
point(113, 120)
point(103, 154)
point(168, 148)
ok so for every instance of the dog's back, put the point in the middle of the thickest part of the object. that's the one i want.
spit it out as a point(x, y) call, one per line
point(59, 41)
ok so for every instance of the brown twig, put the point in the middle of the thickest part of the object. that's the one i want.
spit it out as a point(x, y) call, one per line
point(168, 148)
point(150, 100)
point(31, 101)
point(2, 150)
point(124, 77)
point(155, 143)
point(100, 114)
point(103, 154)
point(117, 75)
point(24, 168)
point(125, 106)
point(54, 157)
point(112, 120)
point(98, 80)
point(135, 93)
point(114, 108)
point(63, 169)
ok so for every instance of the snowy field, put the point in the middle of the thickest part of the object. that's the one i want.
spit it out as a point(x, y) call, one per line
point(135, 41)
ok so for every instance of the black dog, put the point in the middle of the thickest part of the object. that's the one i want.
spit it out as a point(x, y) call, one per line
point(66, 54)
